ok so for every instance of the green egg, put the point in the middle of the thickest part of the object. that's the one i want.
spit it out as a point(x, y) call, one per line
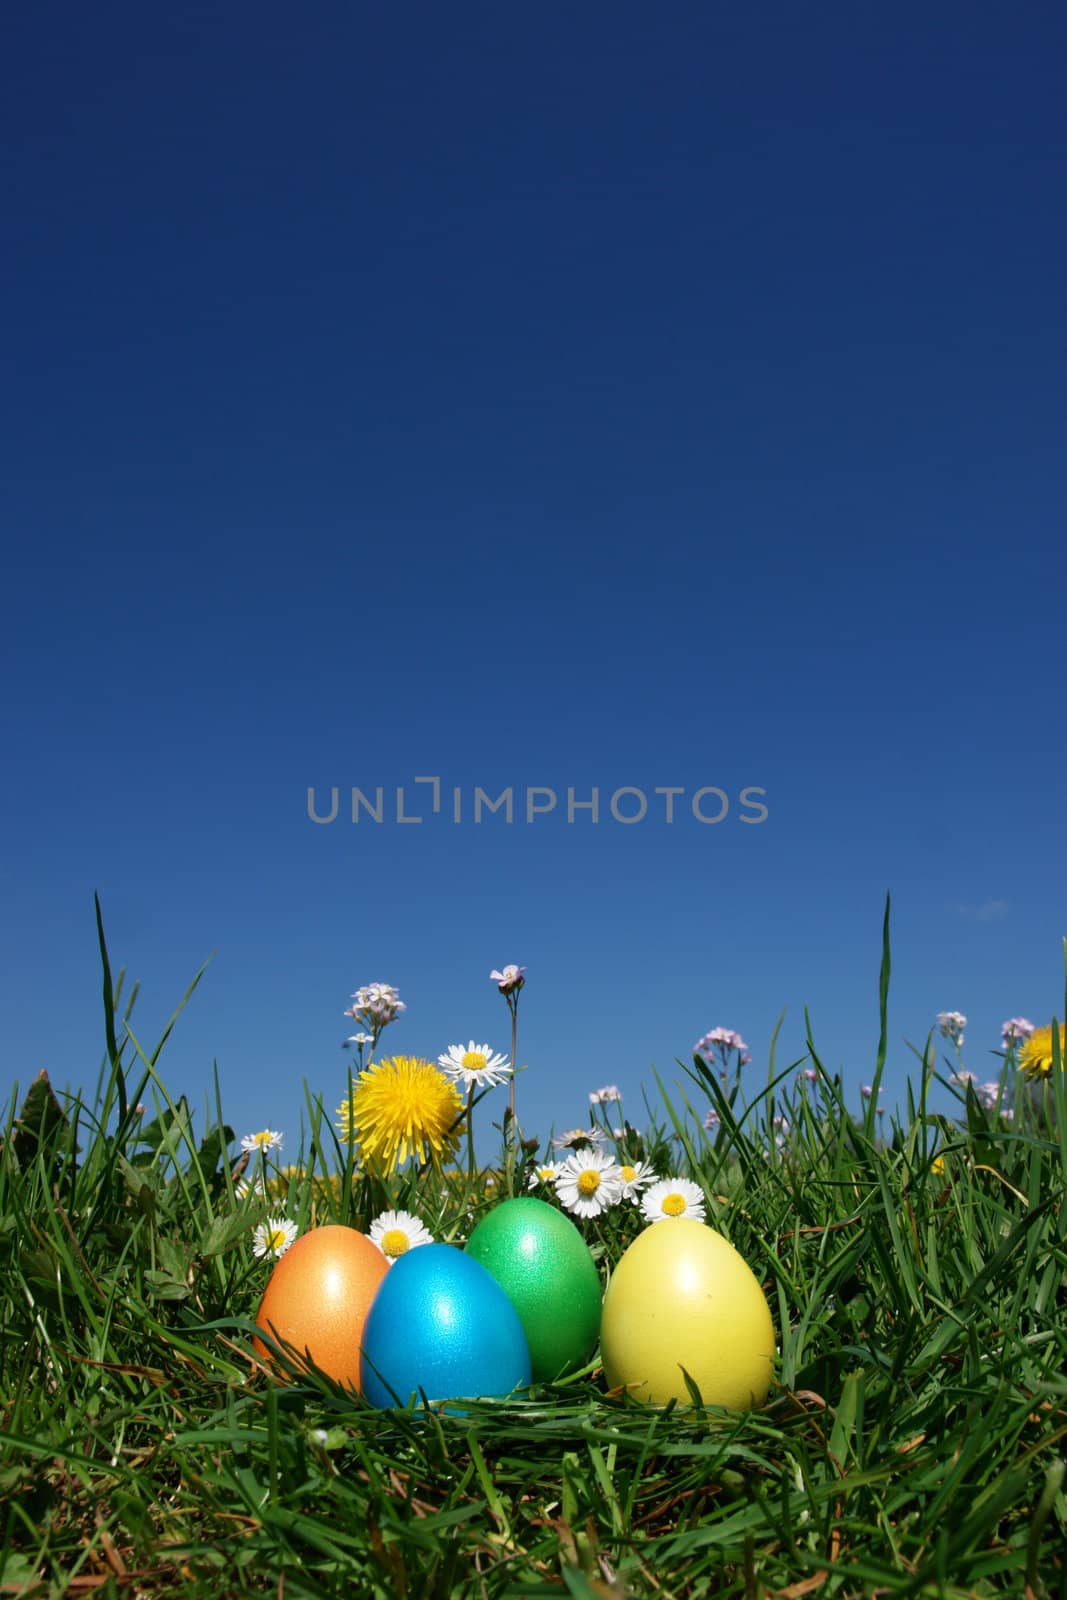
point(545, 1267)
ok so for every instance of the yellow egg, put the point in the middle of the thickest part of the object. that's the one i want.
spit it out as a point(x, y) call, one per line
point(682, 1296)
point(318, 1296)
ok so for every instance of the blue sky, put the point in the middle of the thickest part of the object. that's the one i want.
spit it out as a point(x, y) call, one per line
point(585, 399)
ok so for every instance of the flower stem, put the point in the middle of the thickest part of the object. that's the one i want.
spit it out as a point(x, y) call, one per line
point(514, 1007)
point(470, 1137)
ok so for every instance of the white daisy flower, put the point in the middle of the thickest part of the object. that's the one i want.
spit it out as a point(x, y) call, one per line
point(588, 1183)
point(634, 1179)
point(673, 1197)
point(546, 1174)
point(264, 1140)
point(245, 1187)
point(397, 1232)
point(273, 1237)
point(475, 1067)
point(579, 1138)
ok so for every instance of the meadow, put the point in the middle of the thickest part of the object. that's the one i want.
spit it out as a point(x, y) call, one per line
point(912, 1443)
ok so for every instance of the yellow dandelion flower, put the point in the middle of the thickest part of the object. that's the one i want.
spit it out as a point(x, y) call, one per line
point(401, 1107)
point(937, 1166)
point(1036, 1058)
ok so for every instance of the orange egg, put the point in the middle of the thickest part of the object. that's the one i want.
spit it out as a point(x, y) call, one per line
point(318, 1296)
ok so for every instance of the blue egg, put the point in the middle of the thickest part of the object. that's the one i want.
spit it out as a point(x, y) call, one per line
point(442, 1324)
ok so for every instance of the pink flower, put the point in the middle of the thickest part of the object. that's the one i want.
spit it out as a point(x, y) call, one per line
point(510, 981)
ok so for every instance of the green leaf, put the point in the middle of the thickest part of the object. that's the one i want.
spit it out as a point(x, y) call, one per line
point(41, 1123)
point(222, 1232)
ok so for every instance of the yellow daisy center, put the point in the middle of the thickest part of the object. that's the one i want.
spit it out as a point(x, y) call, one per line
point(263, 1138)
point(276, 1239)
point(589, 1182)
point(673, 1205)
point(474, 1061)
point(395, 1242)
point(629, 1174)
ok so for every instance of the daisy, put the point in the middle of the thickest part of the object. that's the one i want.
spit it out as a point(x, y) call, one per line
point(475, 1067)
point(588, 1183)
point(401, 1107)
point(579, 1138)
point(244, 1187)
point(546, 1174)
point(263, 1141)
point(673, 1197)
point(273, 1237)
point(606, 1095)
point(634, 1179)
point(1036, 1058)
point(397, 1232)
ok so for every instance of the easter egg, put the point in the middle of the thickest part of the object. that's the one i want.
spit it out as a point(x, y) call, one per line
point(442, 1324)
point(682, 1296)
point(547, 1271)
point(318, 1296)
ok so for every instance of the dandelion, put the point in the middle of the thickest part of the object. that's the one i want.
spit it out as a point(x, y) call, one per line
point(588, 1183)
point(401, 1107)
point(1015, 1031)
point(1036, 1058)
point(634, 1179)
point(937, 1166)
point(263, 1141)
point(397, 1232)
point(579, 1139)
point(673, 1197)
point(544, 1174)
point(475, 1067)
point(273, 1237)
point(952, 1024)
point(605, 1096)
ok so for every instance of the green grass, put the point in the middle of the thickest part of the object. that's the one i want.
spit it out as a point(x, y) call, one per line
point(913, 1443)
